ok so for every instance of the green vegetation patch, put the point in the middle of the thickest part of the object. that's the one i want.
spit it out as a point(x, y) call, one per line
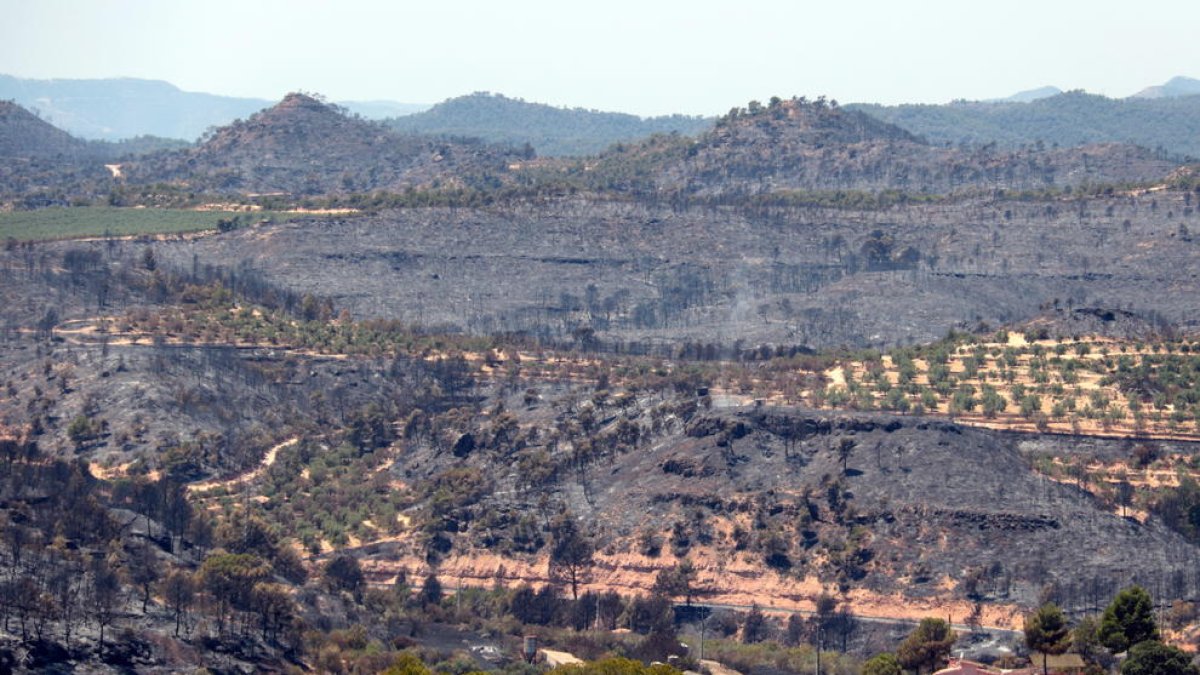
point(99, 221)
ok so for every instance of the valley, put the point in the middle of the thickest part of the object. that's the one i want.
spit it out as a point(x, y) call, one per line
point(804, 376)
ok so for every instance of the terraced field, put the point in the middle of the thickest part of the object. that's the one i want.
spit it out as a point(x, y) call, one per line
point(1085, 385)
point(103, 221)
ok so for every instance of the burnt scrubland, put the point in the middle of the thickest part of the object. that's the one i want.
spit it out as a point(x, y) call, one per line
point(796, 384)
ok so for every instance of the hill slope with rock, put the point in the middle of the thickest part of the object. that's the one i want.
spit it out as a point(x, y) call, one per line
point(306, 147)
point(41, 164)
point(791, 147)
point(797, 145)
point(780, 153)
point(880, 507)
point(461, 455)
point(209, 370)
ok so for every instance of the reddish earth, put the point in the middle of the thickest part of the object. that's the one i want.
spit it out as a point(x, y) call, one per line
point(725, 580)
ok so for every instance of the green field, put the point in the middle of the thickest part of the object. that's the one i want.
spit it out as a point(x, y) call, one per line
point(98, 221)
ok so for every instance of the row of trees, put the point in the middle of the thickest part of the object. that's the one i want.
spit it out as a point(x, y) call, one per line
point(1159, 389)
point(1127, 626)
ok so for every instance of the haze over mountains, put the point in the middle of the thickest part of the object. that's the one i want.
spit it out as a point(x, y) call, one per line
point(1173, 88)
point(25, 135)
point(112, 109)
point(1028, 95)
point(303, 146)
point(1165, 116)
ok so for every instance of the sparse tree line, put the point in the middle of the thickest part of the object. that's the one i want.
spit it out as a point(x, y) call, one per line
point(585, 625)
point(1125, 639)
point(82, 559)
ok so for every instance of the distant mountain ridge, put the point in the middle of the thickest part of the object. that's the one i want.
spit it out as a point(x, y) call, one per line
point(549, 130)
point(304, 146)
point(1029, 95)
point(1173, 88)
point(120, 108)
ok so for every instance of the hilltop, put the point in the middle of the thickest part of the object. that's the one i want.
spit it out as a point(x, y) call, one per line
point(796, 145)
point(549, 130)
point(1030, 95)
point(305, 146)
point(780, 153)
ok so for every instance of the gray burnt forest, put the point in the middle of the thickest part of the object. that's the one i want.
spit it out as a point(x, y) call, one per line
point(802, 377)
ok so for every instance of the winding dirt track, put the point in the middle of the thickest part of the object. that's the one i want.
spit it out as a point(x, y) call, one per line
point(267, 460)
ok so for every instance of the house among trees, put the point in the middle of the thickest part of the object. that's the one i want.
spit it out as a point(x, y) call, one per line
point(1058, 664)
point(1067, 664)
point(961, 666)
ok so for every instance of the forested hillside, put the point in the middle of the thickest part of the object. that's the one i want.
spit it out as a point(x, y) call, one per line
point(116, 109)
point(1171, 124)
point(786, 150)
point(550, 131)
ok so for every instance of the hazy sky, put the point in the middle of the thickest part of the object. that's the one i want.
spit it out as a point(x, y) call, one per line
point(641, 56)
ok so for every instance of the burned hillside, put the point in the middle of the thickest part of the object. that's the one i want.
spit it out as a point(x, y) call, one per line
point(869, 505)
point(815, 276)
